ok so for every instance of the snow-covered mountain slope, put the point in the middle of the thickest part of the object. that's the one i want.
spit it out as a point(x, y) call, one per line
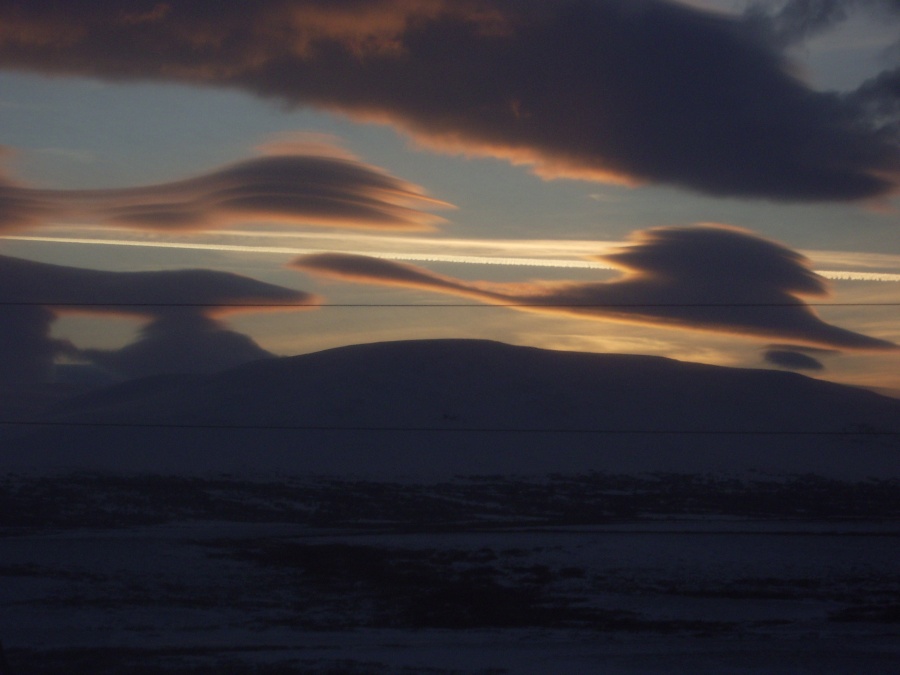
point(450, 407)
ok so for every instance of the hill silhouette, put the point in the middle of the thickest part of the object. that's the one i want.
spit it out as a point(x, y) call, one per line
point(458, 407)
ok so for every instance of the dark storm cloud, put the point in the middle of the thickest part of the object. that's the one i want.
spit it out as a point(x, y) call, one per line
point(711, 278)
point(309, 189)
point(627, 90)
point(185, 339)
point(792, 360)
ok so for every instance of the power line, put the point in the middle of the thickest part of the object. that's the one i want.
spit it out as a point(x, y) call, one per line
point(446, 429)
point(611, 305)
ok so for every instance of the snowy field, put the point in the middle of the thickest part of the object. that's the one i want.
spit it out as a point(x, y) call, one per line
point(582, 573)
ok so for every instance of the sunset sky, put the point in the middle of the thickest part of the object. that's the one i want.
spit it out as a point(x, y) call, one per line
point(713, 180)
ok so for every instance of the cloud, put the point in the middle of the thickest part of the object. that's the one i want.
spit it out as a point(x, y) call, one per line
point(710, 277)
point(797, 357)
point(182, 338)
point(633, 91)
point(27, 351)
point(328, 188)
point(798, 20)
point(805, 349)
point(186, 343)
point(792, 360)
point(149, 294)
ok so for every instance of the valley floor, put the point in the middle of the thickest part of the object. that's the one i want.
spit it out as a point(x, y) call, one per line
point(571, 574)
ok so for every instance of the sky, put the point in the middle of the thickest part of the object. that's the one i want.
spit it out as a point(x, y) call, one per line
point(189, 186)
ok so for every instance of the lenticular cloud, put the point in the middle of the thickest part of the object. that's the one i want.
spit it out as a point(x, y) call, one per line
point(306, 189)
point(711, 278)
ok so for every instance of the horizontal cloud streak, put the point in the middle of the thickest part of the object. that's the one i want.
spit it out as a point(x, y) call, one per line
point(136, 293)
point(712, 278)
point(622, 90)
point(294, 188)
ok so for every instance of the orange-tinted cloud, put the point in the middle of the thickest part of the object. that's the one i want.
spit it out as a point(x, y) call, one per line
point(182, 334)
point(639, 91)
point(328, 188)
point(712, 278)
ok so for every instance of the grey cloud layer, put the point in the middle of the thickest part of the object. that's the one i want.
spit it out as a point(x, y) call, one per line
point(309, 189)
point(635, 90)
point(688, 277)
point(177, 339)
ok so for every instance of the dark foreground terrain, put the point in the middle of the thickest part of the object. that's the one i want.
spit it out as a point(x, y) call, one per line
point(665, 573)
point(451, 506)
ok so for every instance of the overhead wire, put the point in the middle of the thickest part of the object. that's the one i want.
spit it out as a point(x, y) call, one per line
point(448, 429)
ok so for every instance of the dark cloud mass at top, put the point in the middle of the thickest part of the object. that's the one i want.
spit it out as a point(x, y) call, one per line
point(711, 278)
point(630, 90)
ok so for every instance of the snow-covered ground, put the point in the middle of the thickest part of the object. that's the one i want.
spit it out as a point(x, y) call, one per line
point(452, 507)
point(155, 574)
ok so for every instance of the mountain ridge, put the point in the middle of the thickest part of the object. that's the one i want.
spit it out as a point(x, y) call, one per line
point(436, 400)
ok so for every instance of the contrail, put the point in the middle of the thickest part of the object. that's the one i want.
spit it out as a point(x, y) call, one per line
point(839, 275)
point(290, 250)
